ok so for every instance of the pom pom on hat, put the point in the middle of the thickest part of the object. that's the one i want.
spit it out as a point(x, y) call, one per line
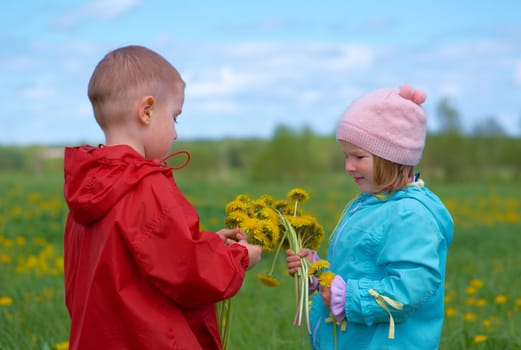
point(388, 123)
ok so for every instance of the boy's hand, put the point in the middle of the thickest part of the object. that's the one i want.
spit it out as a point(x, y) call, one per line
point(293, 259)
point(232, 235)
point(236, 235)
point(254, 252)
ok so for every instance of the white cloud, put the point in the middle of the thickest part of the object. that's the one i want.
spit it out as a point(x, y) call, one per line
point(110, 8)
point(97, 9)
point(226, 81)
point(38, 92)
point(217, 106)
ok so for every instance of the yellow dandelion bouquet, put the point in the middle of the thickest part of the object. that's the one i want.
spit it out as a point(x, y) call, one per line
point(276, 225)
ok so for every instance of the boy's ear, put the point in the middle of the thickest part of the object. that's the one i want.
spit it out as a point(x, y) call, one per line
point(145, 108)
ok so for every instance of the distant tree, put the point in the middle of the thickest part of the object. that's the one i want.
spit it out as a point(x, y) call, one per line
point(448, 117)
point(488, 127)
point(519, 124)
point(288, 156)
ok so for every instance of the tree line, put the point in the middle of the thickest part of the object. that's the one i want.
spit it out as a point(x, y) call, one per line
point(301, 155)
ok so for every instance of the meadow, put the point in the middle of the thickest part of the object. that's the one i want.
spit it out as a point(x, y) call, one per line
point(483, 295)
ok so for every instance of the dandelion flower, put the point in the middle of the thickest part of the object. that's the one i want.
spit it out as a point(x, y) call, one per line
point(481, 302)
point(236, 205)
point(235, 219)
point(281, 205)
point(480, 338)
point(501, 299)
point(298, 195)
point(6, 301)
point(451, 312)
point(268, 280)
point(471, 290)
point(267, 199)
point(326, 278)
point(476, 283)
point(469, 316)
point(318, 266)
point(62, 346)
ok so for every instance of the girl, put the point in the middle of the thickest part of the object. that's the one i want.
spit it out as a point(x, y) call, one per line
point(389, 248)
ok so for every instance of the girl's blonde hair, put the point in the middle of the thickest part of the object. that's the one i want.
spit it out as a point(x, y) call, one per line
point(389, 176)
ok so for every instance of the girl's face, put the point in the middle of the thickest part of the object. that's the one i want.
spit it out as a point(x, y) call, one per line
point(359, 164)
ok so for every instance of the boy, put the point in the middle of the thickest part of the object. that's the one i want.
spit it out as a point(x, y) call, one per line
point(139, 274)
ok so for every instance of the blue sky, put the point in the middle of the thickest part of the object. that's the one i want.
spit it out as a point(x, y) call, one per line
point(253, 65)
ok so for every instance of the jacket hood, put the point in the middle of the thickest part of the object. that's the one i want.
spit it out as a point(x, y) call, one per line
point(429, 200)
point(96, 178)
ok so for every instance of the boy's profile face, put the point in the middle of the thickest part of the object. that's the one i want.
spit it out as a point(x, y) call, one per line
point(161, 130)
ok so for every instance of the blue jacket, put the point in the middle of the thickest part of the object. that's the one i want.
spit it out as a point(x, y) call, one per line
point(396, 246)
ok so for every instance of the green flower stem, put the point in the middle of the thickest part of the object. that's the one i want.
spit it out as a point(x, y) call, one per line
point(225, 316)
point(228, 328)
point(301, 277)
point(277, 252)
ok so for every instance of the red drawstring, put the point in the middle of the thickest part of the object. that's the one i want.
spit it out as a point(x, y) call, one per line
point(163, 161)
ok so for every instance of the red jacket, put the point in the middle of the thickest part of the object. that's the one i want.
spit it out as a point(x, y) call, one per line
point(139, 274)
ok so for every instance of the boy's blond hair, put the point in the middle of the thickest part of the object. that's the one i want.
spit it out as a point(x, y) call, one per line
point(390, 176)
point(126, 74)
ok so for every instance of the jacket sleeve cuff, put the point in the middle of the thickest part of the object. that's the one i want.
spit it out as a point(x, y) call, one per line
point(239, 249)
point(338, 298)
point(313, 285)
point(314, 256)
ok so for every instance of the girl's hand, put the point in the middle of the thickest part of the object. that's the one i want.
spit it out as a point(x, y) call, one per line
point(293, 259)
point(325, 293)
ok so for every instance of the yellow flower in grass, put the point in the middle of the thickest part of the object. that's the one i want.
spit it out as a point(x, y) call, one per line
point(480, 338)
point(451, 312)
point(476, 283)
point(6, 301)
point(326, 278)
point(469, 316)
point(64, 345)
point(500, 299)
point(471, 290)
point(481, 302)
point(268, 280)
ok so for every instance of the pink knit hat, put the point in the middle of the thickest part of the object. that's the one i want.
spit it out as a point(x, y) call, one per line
point(388, 123)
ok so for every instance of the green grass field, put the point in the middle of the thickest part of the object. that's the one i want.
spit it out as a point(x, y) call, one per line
point(483, 299)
